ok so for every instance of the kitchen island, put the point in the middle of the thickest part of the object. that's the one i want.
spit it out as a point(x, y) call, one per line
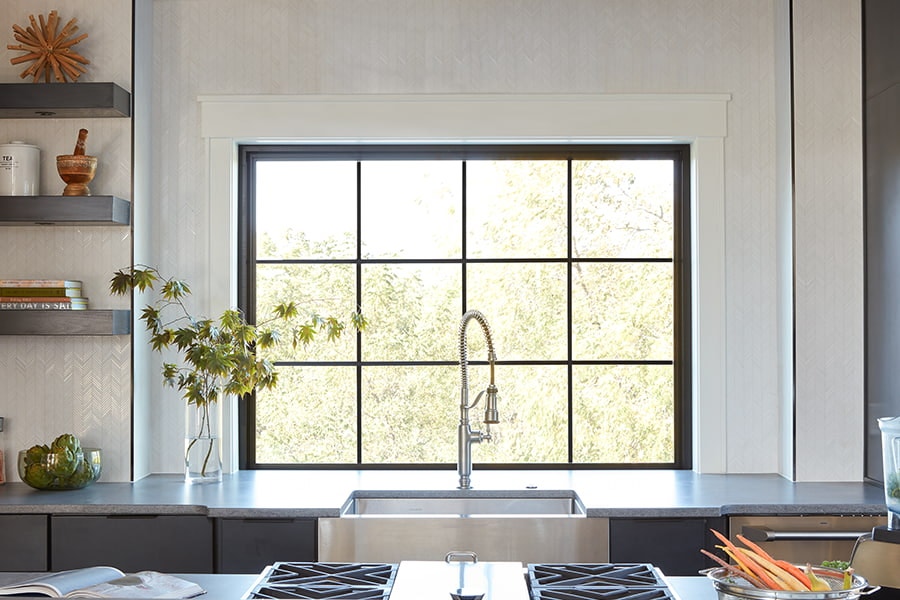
point(236, 586)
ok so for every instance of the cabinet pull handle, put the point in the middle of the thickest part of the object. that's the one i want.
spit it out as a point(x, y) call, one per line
point(266, 520)
point(764, 534)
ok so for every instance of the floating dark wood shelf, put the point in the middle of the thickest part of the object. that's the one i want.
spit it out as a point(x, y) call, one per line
point(64, 210)
point(63, 100)
point(65, 322)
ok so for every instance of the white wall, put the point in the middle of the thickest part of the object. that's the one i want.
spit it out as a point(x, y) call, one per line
point(208, 47)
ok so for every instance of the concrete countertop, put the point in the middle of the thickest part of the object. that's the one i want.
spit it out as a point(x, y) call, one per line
point(320, 493)
point(234, 587)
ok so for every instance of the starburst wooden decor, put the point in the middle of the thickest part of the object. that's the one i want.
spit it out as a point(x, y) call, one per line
point(50, 52)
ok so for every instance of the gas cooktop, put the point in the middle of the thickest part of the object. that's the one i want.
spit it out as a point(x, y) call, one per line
point(374, 581)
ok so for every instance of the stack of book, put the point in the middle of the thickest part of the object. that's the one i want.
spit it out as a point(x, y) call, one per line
point(41, 294)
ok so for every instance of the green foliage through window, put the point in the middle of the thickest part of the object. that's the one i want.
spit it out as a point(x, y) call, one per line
point(577, 255)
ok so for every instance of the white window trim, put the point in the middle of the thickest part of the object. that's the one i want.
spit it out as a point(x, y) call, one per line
point(696, 119)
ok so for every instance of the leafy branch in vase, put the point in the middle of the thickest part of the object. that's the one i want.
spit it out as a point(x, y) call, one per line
point(218, 357)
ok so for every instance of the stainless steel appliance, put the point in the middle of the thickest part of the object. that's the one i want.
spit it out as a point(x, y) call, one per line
point(877, 554)
point(462, 575)
point(877, 557)
point(806, 539)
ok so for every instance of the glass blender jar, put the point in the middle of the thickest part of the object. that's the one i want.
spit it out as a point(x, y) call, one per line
point(890, 448)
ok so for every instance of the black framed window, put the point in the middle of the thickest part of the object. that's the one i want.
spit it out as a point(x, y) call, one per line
point(577, 255)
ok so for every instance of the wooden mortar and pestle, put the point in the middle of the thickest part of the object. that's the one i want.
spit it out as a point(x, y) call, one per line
point(77, 169)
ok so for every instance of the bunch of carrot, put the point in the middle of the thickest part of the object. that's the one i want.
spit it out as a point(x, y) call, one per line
point(756, 566)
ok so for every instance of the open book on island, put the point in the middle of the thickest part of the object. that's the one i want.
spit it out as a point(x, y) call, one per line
point(105, 582)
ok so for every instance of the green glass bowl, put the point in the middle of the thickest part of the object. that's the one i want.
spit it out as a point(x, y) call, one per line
point(55, 471)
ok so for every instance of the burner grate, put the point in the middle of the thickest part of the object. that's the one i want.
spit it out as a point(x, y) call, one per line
point(601, 593)
point(594, 575)
point(597, 581)
point(374, 581)
point(326, 581)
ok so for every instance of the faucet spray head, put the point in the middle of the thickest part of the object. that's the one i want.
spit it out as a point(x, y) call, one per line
point(491, 414)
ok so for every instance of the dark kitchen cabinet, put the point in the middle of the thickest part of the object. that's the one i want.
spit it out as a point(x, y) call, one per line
point(23, 542)
point(248, 545)
point(168, 543)
point(673, 545)
point(881, 52)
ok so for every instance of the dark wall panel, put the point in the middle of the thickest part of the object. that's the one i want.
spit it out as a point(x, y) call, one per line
point(882, 192)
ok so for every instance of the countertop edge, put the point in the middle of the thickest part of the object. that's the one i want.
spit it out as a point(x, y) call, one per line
point(228, 586)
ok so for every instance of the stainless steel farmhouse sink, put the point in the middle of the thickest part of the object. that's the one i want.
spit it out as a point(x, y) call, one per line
point(529, 526)
point(562, 503)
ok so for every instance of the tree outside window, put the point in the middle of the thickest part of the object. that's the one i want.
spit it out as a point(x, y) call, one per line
point(576, 255)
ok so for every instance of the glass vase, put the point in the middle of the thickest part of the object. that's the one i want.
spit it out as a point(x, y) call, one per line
point(202, 456)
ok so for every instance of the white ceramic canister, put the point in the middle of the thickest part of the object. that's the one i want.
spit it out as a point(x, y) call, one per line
point(19, 169)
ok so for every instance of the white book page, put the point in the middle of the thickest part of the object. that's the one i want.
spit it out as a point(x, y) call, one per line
point(145, 584)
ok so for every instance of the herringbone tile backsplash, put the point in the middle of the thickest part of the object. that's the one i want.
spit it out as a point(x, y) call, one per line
point(208, 47)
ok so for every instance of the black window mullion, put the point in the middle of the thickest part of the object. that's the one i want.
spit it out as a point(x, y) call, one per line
point(682, 310)
point(246, 273)
point(463, 239)
point(359, 365)
point(570, 370)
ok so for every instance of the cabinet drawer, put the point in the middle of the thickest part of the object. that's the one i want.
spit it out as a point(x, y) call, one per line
point(805, 539)
point(169, 543)
point(24, 543)
point(248, 545)
point(673, 545)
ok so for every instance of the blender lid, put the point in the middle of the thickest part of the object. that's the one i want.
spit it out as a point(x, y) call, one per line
point(890, 423)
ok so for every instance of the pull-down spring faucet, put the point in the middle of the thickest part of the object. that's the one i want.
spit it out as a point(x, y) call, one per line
point(466, 435)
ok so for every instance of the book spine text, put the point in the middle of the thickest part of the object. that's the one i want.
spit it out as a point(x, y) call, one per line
point(38, 306)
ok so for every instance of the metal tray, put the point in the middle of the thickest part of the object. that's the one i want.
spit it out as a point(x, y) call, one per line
point(731, 587)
